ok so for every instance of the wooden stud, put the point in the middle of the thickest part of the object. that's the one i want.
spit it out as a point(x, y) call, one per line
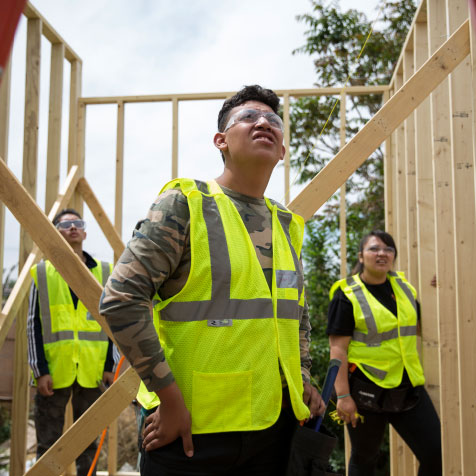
point(119, 171)
point(464, 213)
point(4, 129)
point(68, 423)
point(54, 125)
point(343, 224)
point(287, 143)
point(399, 106)
point(426, 229)
point(296, 93)
point(29, 179)
point(174, 138)
point(112, 441)
point(410, 178)
point(398, 449)
point(22, 284)
point(445, 256)
point(77, 128)
point(100, 215)
point(401, 198)
point(388, 177)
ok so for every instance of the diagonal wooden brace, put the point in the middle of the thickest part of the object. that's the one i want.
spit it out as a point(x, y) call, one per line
point(22, 284)
point(387, 119)
point(76, 274)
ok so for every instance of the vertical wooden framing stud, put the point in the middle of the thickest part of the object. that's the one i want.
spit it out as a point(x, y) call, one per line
point(425, 228)
point(388, 176)
point(175, 138)
point(445, 256)
point(287, 155)
point(119, 171)
point(77, 123)
point(29, 179)
point(54, 124)
point(343, 223)
point(4, 129)
point(401, 194)
point(464, 214)
point(408, 70)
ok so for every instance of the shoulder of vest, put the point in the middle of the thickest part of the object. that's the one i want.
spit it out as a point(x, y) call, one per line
point(279, 205)
point(335, 286)
point(401, 276)
point(186, 185)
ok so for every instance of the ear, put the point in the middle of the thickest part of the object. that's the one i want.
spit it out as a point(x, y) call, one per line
point(220, 141)
point(283, 152)
point(361, 258)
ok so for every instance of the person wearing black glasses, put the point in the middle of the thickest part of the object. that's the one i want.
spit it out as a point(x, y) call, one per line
point(227, 347)
point(68, 352)
point(372, 327)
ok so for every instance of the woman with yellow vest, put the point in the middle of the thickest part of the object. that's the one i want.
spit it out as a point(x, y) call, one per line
point(372, 327)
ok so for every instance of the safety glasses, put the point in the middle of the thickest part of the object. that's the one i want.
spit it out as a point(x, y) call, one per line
point(251, 116)
point(67, 224)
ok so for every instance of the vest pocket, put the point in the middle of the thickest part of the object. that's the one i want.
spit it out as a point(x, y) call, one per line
point(221, 401)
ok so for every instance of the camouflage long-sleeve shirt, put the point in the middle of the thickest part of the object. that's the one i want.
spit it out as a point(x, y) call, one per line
point(157, 259)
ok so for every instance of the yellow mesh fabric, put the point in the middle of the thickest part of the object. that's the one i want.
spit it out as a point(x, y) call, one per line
point(230, 376)
point(245, 353)
point(247, 278)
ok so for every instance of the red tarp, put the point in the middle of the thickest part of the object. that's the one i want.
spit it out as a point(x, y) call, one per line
point(472, 9)
point(10, 11)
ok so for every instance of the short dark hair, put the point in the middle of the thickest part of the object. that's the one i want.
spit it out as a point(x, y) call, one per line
point(65, 211)
point(384, 236)
point(248, 93)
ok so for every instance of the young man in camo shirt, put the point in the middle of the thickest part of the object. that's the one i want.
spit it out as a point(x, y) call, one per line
point(221, 264)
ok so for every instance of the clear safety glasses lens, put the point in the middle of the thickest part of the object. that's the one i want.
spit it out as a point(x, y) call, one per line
point(67, 224)
point(251, 116)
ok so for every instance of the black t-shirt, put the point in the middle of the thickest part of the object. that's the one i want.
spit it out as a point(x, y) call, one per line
point(340, 315)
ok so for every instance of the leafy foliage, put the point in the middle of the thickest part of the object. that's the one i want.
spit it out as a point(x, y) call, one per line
point(334, 41)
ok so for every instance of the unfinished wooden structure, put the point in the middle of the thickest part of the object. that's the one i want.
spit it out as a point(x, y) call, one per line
point(428, 126)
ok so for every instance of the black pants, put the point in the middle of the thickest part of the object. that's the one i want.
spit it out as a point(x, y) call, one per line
point(418, 427)
point(49, 420)
point(248, 453)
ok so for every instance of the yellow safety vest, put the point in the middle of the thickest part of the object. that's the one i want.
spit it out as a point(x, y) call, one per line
point(75, 344)
point(383, 345)
point(225, 335)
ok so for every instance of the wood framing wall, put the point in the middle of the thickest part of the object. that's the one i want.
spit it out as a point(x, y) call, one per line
point(430, 198)
point(430, 210)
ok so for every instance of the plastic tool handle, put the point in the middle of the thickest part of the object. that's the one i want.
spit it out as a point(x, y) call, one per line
point(332, 370)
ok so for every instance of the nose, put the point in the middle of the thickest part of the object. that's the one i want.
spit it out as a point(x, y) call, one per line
point(263, 123)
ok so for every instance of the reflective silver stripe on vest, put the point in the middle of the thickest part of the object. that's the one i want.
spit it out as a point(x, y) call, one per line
point(408, 331)
point(220, 306)
point(285, 221)
point(375, 338)
point(372, 336)
point(381, 374)
point(405, 289)
point(105, 272)
point(48, 335)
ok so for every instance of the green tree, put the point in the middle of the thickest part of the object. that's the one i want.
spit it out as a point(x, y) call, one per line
point(334, 40)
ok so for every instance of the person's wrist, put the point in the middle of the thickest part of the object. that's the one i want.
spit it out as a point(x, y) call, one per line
point(345, 395)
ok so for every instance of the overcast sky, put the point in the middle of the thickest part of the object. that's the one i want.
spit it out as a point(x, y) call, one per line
point(158, 47)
